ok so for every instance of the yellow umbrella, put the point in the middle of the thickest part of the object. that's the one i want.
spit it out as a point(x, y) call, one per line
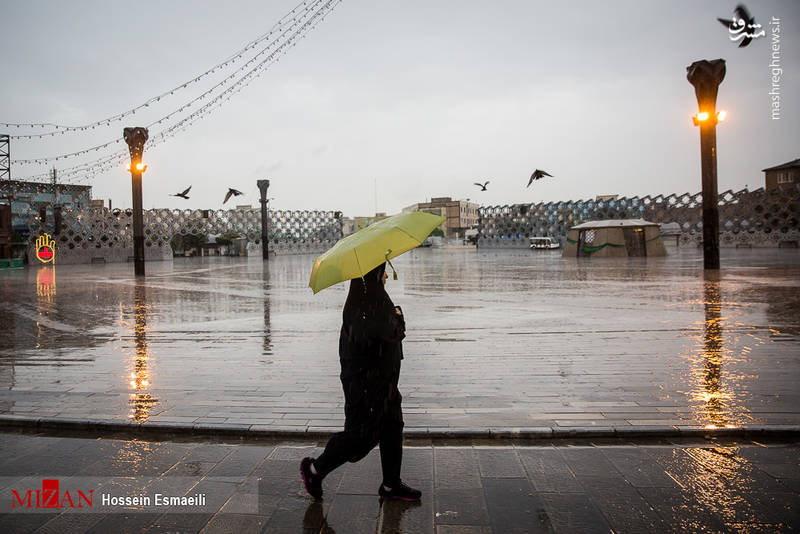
point(359, 253)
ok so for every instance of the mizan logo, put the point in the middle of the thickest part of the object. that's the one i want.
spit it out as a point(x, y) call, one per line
point(45, 248)
point(49, 497)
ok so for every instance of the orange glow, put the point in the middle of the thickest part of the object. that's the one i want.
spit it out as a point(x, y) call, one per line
point(721, 115)
point(702, 116)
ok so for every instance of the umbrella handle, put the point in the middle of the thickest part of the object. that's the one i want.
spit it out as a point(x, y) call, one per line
point(394, 272)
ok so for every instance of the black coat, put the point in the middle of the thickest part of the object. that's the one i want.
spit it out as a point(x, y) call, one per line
point(370, 350)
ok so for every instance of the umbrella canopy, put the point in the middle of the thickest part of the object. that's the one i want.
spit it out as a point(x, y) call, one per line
point(359, 253)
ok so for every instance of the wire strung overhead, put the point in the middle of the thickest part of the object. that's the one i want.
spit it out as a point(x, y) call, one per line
point(300, 11)
point(313, 13)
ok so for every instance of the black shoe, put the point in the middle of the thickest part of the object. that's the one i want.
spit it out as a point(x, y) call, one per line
point(400, 492)
point(311, 482)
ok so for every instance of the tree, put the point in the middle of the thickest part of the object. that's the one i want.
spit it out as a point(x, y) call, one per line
point(227, 238)
point(181, 242)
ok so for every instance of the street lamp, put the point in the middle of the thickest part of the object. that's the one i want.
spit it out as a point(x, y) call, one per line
point(263, 186)
point(136, 138)
point(706, 76)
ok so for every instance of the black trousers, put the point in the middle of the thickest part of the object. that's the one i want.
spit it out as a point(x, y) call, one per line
point(373, 416)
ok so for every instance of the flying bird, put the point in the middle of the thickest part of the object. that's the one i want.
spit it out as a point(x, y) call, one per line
point(483, 187)
point(184, 194)
point(742, 25)
point(537, 175)
point(233, 192)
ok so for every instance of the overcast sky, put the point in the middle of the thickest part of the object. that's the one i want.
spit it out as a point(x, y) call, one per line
point(407, 99)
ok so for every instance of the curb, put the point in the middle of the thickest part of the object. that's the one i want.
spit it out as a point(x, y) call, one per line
point(244, 431)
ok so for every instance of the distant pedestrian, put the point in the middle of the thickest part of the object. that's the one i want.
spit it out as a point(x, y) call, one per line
point(370, 350)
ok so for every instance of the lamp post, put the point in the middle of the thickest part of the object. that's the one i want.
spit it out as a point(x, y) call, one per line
point(706, 76)
point(136, 138)
point(263, 186)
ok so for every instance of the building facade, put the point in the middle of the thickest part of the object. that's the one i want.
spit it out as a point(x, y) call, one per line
point(460, 215)
point(30, 200)
point(782, 175)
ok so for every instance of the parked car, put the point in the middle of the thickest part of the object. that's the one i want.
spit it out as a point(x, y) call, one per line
point(544, 243)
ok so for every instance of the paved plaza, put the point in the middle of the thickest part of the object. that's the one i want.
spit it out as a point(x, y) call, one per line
point(496, 340)
point(468, 488)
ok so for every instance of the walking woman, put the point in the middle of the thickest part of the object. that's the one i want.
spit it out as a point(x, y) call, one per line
point(370, 350)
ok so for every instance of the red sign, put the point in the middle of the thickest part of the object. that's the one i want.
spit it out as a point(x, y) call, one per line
point(44, 254)
point(49, 497)
point(45, 248)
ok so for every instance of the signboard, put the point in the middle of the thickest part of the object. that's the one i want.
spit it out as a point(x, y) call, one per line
point(45, 248)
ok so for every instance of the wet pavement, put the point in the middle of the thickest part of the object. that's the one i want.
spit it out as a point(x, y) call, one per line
point(581, 486)
point(496, 339)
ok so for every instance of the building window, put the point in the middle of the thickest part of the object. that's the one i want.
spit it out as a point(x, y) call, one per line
point(785, 178)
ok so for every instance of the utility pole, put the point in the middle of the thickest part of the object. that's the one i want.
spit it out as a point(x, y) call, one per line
point(136, 138)
point(706, 76)
point(263, 187)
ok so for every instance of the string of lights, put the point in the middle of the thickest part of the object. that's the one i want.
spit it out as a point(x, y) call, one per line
point(296, 30)
point(87, 171)
point(299, 12)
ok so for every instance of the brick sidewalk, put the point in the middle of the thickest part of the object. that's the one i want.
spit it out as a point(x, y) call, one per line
point(473, 487)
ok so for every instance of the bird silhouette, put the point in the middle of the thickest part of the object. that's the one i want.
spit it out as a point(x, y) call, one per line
point(537, 175)
point(742, 25)
point(184, 194)
point(483, 187)
point(233, 192)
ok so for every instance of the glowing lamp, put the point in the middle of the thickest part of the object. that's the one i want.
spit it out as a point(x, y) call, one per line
point(141, 167)
point(721, 115)
point(700, 117)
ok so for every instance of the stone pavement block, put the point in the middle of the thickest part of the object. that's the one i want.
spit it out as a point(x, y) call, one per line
point(588, 462)
point(514, 506)
point(179, 522)
point(548, 470)
point(294, 452)
point(208, 452)
point(417, 463)
point(775, 454)
point(462, 529)
point(23, 523)
point(251, 503)
point(638, 468)
point(682, 511)
point(399, 516)
point(270, 468)
point(499, 462)
point(572, 513)
point(39, 464)
point(363, 477)
point(226, 523)
point(299, 514)
point(285, 485)
point(187, 469)
point(625, 509)
point(456, 468)
point(70, 522)
point(240, 462)
point(124, 523)
point(217, 493)
point(460, 507)
point(138, 460)
point(354, 513)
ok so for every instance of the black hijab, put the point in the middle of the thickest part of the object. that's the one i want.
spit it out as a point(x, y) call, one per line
point(367, 296)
